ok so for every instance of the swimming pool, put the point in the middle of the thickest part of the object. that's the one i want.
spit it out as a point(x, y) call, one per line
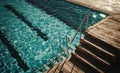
point(20, 25)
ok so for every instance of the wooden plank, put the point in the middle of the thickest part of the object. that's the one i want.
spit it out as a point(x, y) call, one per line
point(98, 48)
point(52, 69)
point(67, 68)
point(86, 62)
point(103, 35)
point(111, 24)
point(93, 55)
point(111, 32)
point(75, 69)
point(108, 22)
point(107, 30)
point(115, 17)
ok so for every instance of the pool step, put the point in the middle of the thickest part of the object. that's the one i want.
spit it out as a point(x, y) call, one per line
point(92, 58)
point(66, 66)
point(87, 63)
point(69, 67)
point(72, 66)
point(102, 44)
point(108, 56)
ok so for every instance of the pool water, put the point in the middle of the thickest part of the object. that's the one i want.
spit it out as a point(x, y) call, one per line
point(20, 24)
point(67, 12)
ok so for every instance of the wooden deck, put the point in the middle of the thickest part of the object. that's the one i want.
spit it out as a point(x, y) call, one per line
point(98, 52)
point(107, 30)
point(107, 6)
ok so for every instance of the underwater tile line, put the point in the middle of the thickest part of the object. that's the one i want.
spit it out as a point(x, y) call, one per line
point(69, 23)
point(21, 17)
point(13, 52)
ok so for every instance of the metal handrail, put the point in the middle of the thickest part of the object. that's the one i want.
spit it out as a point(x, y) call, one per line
point(52, 45)
point(78, 30)
point(67, 45)
point(80, 27)
point(87, 20)
point(67, 39)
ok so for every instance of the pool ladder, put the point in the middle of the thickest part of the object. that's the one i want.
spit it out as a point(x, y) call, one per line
point(56, 59)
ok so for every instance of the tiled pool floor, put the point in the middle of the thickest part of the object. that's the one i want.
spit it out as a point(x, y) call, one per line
point(20, 25)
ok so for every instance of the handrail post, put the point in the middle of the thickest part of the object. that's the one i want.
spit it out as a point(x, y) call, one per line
point(80, 26)
point(87, 20)
point(52, 46)
point(59, 43)
point(67, 45)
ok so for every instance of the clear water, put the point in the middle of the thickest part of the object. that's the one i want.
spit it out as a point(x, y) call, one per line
point(33, 49)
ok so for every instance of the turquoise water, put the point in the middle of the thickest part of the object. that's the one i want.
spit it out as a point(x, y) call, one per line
point(34, 50)
point(71, 13)
point(7, 62)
